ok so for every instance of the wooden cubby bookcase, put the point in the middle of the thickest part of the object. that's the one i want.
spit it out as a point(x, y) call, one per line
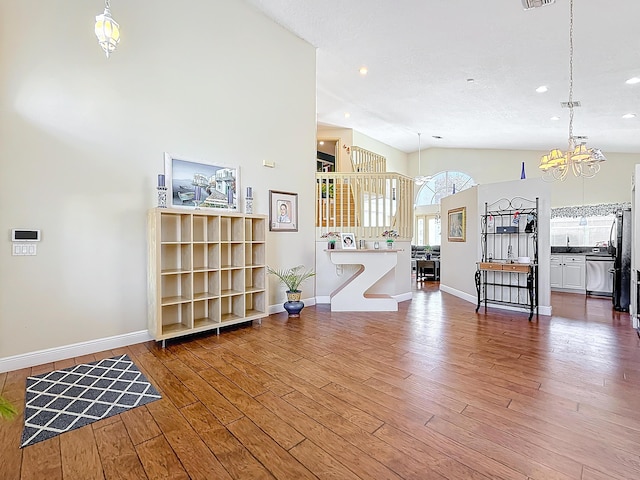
point(206, 270)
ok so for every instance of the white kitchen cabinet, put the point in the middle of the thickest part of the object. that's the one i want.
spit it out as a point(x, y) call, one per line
point(555, 272)
point(567, 272)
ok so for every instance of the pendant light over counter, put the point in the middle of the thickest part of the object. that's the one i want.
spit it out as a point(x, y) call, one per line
point(580, 159)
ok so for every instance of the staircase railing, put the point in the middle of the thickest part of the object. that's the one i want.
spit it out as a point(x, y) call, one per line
point(364, 161)
point(365, 204)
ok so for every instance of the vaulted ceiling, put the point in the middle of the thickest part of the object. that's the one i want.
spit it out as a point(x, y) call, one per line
point(467, 70)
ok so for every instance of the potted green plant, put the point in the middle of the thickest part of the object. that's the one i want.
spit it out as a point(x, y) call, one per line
point(390, 235)
point(327, 186)
point(7, 410)
point(332, 236)
point(292, 278)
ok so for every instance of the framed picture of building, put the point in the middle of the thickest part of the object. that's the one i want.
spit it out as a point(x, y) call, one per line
point(197, 183)
point(283, 211)
point(457, 225)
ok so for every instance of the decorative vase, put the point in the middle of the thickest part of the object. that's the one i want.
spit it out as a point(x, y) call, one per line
point(248, 201)
point(389, 244)
point(162, 197)
point(293, 305)
point(332, 245)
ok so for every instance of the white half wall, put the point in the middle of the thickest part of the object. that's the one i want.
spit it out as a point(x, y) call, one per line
point(329, 277)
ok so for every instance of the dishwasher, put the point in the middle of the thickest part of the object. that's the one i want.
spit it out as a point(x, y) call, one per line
point(599, 274)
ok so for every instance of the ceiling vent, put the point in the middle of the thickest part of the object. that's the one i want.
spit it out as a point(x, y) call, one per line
point(529, 4)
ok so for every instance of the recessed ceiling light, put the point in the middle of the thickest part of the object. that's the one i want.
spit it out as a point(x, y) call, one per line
point(347, 114)
point(364, 70)
point(633, 80)
point(470, 80)
point(321, 142)
point(437, 137)
point(629, 115)
point(554, 118)
point(542, 89)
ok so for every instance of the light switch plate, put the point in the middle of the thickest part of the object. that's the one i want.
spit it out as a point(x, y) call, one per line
point(24, 249)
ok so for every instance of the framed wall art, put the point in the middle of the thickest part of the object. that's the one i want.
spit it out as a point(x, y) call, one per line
point(457, 225)
point(196, 183)
point(283, 211)
point(348, 241)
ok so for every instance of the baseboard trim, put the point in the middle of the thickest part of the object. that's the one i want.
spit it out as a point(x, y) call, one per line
point(326, 299)
point(403, 297)
point(279, 308)
point(459, 293)
point(542, 309)
point(49, 355)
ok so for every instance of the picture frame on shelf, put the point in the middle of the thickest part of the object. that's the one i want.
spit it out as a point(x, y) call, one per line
point(283, 211)
point(219, 183)
point(457, 225)
point(348, 241)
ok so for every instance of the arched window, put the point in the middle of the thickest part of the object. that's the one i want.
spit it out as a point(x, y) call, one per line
point(442, 185)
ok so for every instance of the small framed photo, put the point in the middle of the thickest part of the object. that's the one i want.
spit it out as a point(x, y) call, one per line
point(348, 241)
point(457, 225)
point(196, 183)
point(283, 211)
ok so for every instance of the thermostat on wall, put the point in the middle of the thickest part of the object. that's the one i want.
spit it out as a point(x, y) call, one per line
point(22, 235)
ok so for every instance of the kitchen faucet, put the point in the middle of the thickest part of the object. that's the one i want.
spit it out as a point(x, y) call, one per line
point(567, 241)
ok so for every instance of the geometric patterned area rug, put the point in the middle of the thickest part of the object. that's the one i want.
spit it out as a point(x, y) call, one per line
point(63, 400)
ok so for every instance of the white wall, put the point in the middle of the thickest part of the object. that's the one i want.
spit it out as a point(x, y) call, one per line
point(458, 259)
point(397, 160)
point(611, 185)
point(345, 138)
point(82, 141)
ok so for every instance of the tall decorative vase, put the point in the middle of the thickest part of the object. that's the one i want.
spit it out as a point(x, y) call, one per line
point(162, 191)
point(248, 201)
point(162, 197)
point(522, 174)
point(293, 305)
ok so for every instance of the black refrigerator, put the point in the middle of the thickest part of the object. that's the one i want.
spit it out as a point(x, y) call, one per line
point(621, 243)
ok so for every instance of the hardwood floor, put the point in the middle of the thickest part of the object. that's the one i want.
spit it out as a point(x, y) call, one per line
point(433, 391)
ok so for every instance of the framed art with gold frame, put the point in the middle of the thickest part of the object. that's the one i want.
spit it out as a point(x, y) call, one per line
point(457, 225)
